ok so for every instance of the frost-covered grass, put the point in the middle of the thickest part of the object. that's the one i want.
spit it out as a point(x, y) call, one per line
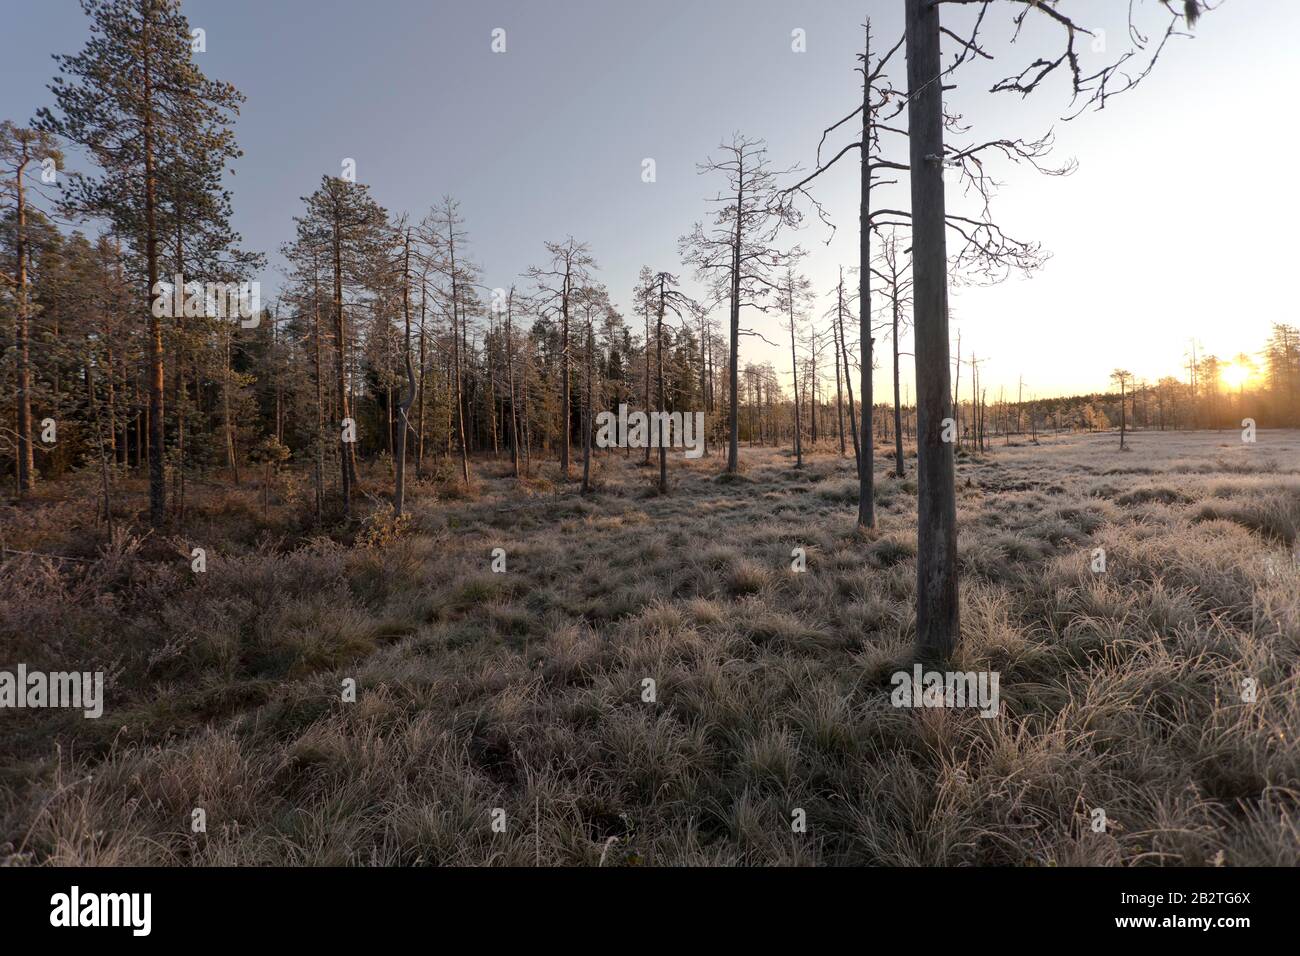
point(523, 690)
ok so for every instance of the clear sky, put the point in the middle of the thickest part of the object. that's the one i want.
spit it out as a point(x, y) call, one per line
point(1177, 224)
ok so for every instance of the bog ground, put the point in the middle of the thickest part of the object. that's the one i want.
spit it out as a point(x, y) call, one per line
point(523, 691)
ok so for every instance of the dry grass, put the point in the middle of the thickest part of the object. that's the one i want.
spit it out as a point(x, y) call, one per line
point(523, 690)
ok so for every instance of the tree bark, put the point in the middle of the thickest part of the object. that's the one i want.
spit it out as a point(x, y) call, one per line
point(586, 414)
point(456, 343)
point(320, 403)
point(937, 614)
point(403, 410)
point(866, 462)
point(564, 374)
point(659, 351)
point(900, 468)
point(848, 378)
point(347, 465)
point(794, 371)
point(157, 463)
point(733, 442)
point(26, 459)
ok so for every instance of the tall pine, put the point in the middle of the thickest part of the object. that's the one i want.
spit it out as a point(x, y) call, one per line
point(137, 102)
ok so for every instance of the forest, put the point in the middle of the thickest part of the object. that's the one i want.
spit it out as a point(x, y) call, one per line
point(382, 563)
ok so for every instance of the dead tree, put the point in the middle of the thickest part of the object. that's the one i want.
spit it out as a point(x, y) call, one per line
point(404, 408)
point(510, 380)
point(840, 309)
point(792, 295)
point(444, 254)
point(591, 299)
point(1122, 377)
point(570, 268)
point(736, 256)
point(985, 248)
point(894, 269)
point(937, 605)
point(668, 297)
point(839, 386)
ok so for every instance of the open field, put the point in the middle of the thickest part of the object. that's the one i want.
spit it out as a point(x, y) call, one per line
point(523, 690)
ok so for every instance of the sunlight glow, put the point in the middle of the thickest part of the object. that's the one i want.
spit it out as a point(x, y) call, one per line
point(1235, 375)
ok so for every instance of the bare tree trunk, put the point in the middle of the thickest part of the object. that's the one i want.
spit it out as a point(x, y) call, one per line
point(157, 464)
point(937, 612)
point(460, 392)
point(99, 442)
point(659, 350)
point(794, 371)
point(456, 358)
point(647, 370)
point(866, 462)
point(1123, 420)
point(451, 413)
point(812, 379)
point(733, 442)
point(526, 427)
point(839, 389)
point(848, 377)
point(1020, 406)
point(564, 374)
point(26, 464)
point(900, 469)
point(141, 422)
point(347, 465)
point(493, 410)
point(403, 410)
point(320, 406)
point(110, 397)
point(179, 381)
point(956, 401)
point(586, 415)
point(510, 376)
point(227, 418)
point(388, 418)
point(704, 381)
point(419, 440)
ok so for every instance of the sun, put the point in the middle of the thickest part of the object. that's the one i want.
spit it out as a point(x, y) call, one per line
point(1235, 375)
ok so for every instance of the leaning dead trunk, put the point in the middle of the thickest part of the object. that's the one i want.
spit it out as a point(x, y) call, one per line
point(848, 378)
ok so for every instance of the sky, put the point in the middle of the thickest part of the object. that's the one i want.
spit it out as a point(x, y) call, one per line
point(1175, 227)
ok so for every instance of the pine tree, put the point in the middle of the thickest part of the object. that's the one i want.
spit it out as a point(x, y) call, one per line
point(342, 218)
point(137, 102)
